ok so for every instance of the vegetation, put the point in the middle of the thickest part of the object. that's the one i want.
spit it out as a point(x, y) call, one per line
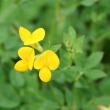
point(78, 31)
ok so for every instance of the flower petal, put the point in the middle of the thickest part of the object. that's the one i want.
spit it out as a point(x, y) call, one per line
point(52, 60)
point(21, 66)
point(25, 35)
point(45, 74)
point(39, 62)
point(27, 54)
point(38, 35)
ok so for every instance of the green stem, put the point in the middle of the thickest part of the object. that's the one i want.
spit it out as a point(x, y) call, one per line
point(38, 47)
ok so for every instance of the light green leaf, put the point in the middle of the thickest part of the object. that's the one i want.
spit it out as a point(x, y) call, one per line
point(56, 47)
point(69, 38)
point(93, 60)
point(80, 60)
point(65, 58)
point(79, 44)
point(72, 33)
point(88, 2)
point(95, 74)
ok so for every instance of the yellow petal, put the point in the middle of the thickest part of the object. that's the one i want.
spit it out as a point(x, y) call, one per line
point(25, 35)
point(39, 62)
point(38, 35)
point(21, 66)
point(27, 54)
point(52, 60)
point(45, 75)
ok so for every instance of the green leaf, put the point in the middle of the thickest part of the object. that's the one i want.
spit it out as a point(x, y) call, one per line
point(56, 47)
point(17, 79)
point(46, 104)
point(93, 60)
point(65, 58)
point(8, 96)
point(58, 76)
point(105, 86)
point(31, 81)
point(67, 74)
point(72, 33)
point(104, 100)
point(58, 95)
point(71, 73)
point(80, 59)
point(88, 2)
point(4, 33)
point(69, 97)
point(79, 44)
point(69, 38)
point(95, 74)
point(2, 76)
point(96, 101)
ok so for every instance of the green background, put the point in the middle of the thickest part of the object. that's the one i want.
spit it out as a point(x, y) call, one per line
point(79, 32)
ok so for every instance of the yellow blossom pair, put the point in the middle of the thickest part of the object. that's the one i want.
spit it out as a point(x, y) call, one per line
point(45, 62)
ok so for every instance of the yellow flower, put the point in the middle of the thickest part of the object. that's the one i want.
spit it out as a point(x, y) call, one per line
point(27, 56)
point(45, 62)
point(29, 38)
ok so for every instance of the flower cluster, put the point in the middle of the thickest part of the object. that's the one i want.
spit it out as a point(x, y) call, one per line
point(44, 62)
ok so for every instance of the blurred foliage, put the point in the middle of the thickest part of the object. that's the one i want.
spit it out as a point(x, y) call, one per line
point(83, 80)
